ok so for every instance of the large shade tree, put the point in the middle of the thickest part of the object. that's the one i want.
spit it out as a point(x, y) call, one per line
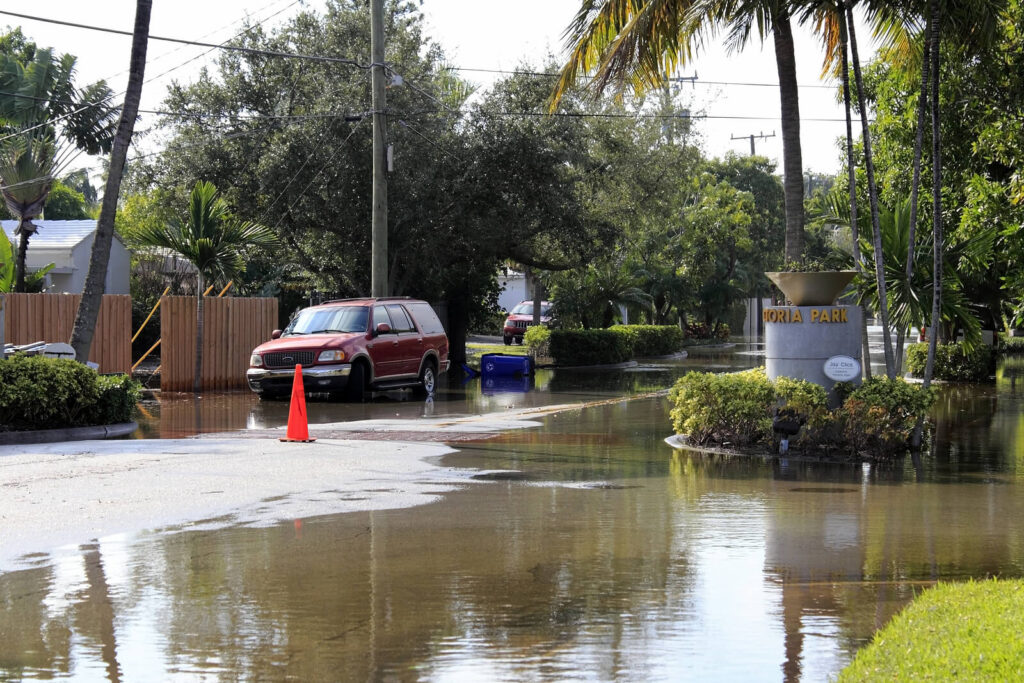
point(470, 186)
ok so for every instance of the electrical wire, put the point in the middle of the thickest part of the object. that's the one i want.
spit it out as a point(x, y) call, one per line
point(234, 48)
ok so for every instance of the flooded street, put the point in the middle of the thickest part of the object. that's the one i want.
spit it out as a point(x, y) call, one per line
point(585, 549)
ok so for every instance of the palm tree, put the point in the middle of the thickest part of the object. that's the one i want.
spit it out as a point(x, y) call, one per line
point(26, 170)
point(44, 121)
point(831, 23)
point(211, 240)
point(92, 293)
point(640, 42)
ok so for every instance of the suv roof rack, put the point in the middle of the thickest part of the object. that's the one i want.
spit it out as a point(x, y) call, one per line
point(366, 298)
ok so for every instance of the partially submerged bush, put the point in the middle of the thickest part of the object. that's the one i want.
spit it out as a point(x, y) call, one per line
point(731, 408)
point(538, 340)
point(876, 419)
point(1010, 345)
point(704, 331)
point(880, 414)
point(651, 340)
point(49, 393)
point(953, 362)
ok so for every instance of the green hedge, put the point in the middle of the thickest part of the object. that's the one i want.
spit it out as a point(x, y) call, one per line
point(616, 344)
point(875, 420)
point(953, 362)
point(652, 340)
point(48, 393)
point(589, 347)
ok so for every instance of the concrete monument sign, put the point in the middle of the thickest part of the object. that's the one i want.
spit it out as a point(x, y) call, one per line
point(800, 342)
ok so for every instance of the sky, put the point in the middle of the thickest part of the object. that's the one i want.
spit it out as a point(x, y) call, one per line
point(737, 92)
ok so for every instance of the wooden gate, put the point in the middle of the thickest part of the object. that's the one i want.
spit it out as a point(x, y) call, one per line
point(232, 327)
point(51, 317)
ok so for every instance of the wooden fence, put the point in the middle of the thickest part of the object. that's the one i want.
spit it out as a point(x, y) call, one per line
point(50, 317)
point(232, 327)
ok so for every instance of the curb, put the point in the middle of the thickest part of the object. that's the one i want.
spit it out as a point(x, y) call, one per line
point(68, 434)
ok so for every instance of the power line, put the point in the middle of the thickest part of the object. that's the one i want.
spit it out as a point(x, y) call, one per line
point(247, 50)
point(693, 81)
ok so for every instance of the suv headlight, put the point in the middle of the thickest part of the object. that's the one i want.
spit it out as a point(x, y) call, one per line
point(255, 360)
point(329, 355)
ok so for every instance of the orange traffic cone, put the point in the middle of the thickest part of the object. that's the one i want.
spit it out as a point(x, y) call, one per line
point(298, 428)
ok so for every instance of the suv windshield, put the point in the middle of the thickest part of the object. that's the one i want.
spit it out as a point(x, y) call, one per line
point(526, 308)
point(332, 320)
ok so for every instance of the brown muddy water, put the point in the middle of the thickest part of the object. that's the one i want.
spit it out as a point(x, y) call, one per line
point(586, 549)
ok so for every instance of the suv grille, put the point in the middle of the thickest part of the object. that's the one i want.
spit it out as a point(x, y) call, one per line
point(520, 324)
point(287, 359)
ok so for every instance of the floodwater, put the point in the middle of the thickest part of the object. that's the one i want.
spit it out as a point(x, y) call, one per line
point(587, 549)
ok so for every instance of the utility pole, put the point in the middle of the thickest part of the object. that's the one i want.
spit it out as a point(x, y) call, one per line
point(667, 125)
point(379, 219)
point(760, 136)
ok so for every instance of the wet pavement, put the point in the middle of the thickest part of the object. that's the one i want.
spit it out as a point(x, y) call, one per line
point(583, 549)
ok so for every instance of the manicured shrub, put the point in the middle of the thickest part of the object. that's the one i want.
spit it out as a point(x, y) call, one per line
point(733, 408)
point(538, 341)
point(589, 347)
point(953, 362)
point(875, 420)
point(118, 395)
point(536, 336)
point(879, 415)
point(48, 393)
point(807, 403)
point(651, 340)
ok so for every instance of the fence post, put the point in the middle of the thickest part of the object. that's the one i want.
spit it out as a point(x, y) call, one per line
point(2, 316)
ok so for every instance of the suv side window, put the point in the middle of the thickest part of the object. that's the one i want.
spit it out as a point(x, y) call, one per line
point(400, 321)
point(380, 315)
point(426, 318)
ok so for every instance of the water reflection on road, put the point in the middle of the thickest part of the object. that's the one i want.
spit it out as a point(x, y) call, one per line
point(607, 556)
point(179, 415)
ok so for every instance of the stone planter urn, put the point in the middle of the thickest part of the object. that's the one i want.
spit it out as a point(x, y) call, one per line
point(812, 289)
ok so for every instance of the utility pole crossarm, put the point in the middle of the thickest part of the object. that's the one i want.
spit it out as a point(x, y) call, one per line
point(752, 137)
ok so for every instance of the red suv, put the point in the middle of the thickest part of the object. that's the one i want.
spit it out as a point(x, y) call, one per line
point(521, 317)
point(352, 346)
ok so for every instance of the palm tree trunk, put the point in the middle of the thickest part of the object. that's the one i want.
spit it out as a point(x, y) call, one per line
point(197, 377)
point(19, 276)
point(883, 304)
point(792, 162)
point(851, 173)
point(929, 367)
point(92, 294)
point(916, 182)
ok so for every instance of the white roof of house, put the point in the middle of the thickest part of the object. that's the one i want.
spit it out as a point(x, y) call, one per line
point(53, 241)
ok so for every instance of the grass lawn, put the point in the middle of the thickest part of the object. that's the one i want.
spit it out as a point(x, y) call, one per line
point(953, 632)
point(474, 351)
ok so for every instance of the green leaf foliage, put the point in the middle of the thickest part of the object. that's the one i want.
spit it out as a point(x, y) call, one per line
point(589, 347)
point(48, 393)
point(652, 340)
point(733, 408)
point(956, 362)
point(737, 409)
